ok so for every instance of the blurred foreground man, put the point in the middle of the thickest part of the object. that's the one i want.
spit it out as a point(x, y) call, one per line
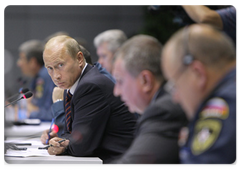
point(139, 82)
point(200, 64)
point(96, 123)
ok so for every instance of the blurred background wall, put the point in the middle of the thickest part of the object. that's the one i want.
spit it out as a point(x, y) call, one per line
point(22, 23)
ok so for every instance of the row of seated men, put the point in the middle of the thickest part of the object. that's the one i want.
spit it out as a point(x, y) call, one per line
point(184, 92)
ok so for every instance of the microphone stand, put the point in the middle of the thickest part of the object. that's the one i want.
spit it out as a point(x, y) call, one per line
point(14, 101)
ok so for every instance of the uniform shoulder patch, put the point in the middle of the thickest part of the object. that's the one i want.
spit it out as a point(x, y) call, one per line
point(206, 133)
point(39, 87)
point(215, 108)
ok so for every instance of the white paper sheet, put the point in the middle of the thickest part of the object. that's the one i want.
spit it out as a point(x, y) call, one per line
point(30, 152)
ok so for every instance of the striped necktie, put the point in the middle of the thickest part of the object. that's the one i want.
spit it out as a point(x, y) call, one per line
point(68, 111)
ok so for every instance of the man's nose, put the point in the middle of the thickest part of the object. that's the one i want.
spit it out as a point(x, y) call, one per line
point(57, 75)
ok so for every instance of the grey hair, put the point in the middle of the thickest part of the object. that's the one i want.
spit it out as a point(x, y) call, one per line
point(33, 48)
point(141, 52)
point(115, 38)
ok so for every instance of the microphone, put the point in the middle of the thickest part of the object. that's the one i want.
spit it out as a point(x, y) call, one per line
point(25, 96)
point(21, 91)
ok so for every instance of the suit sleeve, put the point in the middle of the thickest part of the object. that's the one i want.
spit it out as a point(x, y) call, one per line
point(91, 113)
point(151, 147)
point(156, 140)
point(58, 114)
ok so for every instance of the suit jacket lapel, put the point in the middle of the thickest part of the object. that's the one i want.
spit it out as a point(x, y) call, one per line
point(89, 67)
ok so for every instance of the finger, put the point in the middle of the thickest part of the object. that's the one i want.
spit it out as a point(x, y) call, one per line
point(65, 143)
point(53, 134)
point(44, 136)
point(51, 151)
point(43, 140)
point(54, 141)
point(55, 150)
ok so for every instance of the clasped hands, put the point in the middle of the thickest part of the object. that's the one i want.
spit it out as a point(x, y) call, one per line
point(56, 148)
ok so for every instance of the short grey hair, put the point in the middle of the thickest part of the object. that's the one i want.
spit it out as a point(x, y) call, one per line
point(33, 48)
point(141, 52)
point(115, 38)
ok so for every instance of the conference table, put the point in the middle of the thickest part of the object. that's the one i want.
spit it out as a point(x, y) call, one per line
point(28, 137)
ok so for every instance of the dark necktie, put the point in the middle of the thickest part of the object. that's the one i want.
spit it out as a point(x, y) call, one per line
point(68, 111)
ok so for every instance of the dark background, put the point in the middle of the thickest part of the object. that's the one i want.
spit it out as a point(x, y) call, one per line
point(22, 23)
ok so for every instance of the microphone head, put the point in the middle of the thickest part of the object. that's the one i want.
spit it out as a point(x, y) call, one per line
point(24, 90)
point(27, 95)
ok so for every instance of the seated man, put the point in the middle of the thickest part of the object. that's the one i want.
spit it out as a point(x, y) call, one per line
point(57, 97)
point(31, 64)
point(107, 43)
point(139, 82)
point(200, 63)
point(96, 123)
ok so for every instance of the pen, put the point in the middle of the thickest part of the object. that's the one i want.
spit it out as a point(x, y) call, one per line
point(21, 144)
point(50, 129)
point(46, 147)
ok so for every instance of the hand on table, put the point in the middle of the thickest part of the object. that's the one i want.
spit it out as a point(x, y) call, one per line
point(57, 148)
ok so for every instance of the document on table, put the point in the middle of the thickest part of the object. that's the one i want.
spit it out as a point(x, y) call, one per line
point(30, 152)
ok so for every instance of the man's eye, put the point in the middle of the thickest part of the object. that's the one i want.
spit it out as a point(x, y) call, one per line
point(119, 82)
point(60, 65)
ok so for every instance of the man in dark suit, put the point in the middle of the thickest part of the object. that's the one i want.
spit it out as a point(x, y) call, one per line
point(97, 123)
point(140, 82)
point(58, 112)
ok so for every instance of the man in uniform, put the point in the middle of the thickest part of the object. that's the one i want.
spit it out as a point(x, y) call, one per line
point(31, 64)
point(200, 64)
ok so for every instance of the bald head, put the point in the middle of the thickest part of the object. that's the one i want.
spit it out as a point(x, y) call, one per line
point(194, 60)
point(204, 43)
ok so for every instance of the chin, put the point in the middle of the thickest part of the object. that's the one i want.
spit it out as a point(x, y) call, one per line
point(61, 86)
point(189, 113)
point(132, 110)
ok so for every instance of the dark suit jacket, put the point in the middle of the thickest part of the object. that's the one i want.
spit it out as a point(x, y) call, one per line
point(157, 132)
point(102, 126)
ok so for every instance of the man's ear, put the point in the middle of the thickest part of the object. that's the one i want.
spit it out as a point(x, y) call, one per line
point(146, 80)
point(200, 73)
point(80, 58)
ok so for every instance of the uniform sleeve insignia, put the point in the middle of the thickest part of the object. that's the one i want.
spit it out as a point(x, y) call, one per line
point(39, 88)
point(205, 134)
point(215, 108)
